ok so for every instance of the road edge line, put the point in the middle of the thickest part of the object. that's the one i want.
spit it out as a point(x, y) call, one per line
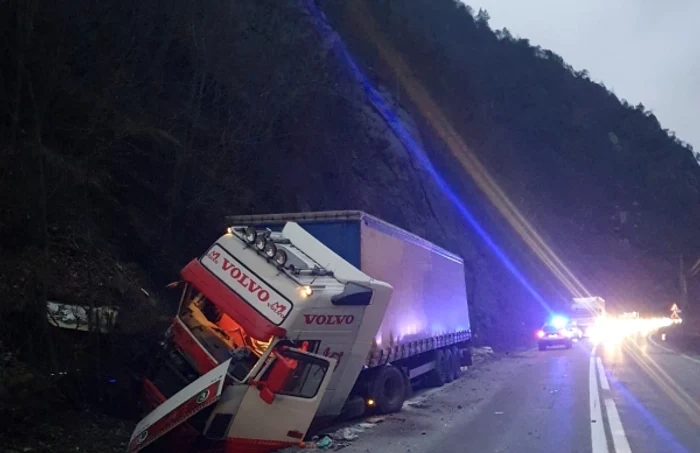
point(617, 430)
point(666, 348)
point(599, 441)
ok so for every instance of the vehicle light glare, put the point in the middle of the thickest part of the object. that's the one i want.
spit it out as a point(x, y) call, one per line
point(612, 331)
point(305, 291)
point(370, 402)
point(559, 321)
point(540, 334)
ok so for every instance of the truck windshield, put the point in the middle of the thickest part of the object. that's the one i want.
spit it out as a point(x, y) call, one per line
point(219, 334)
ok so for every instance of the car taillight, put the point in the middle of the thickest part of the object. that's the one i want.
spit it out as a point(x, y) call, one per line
point(540, 334)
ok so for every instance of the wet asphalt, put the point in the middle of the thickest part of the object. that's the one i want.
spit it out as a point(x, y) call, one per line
point(633, 396)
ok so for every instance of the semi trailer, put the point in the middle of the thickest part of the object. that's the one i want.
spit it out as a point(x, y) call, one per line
point(290, 321)
point(587, 313)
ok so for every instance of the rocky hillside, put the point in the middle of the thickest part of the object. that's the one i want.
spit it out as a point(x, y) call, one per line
point(129, 129)
point(610, 191)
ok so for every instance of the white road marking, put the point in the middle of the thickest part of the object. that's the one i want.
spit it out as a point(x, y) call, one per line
point(685, 356)
point(619, 437)
point(604, 384)
point(599, 443)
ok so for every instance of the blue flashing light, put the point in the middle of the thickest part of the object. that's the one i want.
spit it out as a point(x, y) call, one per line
point(559, 322)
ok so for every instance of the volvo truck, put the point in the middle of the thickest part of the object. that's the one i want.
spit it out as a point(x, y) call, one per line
point(290, 321)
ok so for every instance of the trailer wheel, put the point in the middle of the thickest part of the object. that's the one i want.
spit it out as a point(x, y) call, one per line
point(456, 362)
point(449, 366)
point(437, 376)
point(389, 389)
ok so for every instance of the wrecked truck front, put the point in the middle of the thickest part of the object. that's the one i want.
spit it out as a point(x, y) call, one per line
point(272, 409)
point(239, 298)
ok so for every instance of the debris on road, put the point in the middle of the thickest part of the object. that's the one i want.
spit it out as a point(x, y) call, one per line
point(376, 419)
point(337, 440)
point(324, 443)
point(420, 404)
point(352, 432)
point(482, 355)
point(483, 351)
point(345, 434)
point(366, 425)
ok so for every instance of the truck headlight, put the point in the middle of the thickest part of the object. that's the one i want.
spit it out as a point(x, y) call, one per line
point(270, 250)
point(249, 234)
point(260, 242)
point(280, 258)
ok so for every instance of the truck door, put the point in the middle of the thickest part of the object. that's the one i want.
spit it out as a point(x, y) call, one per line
point(279, 403)
point(182, 406)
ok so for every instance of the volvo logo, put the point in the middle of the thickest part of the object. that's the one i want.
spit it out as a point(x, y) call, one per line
point(142, 437)
point(203, 395)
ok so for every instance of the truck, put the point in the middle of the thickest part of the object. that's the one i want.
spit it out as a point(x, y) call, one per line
point(289, 322)
point(587, 312)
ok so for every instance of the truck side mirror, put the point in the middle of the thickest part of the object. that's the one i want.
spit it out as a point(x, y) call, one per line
point(280, 371)
point(174, 284)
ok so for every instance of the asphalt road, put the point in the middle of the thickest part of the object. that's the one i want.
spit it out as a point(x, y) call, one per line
point(628, 397)
point(657, 392)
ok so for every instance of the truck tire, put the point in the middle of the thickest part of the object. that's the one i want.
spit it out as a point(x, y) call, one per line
point(388, 390)
point(437, 377)
point(449, 366)
point(456, 362)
